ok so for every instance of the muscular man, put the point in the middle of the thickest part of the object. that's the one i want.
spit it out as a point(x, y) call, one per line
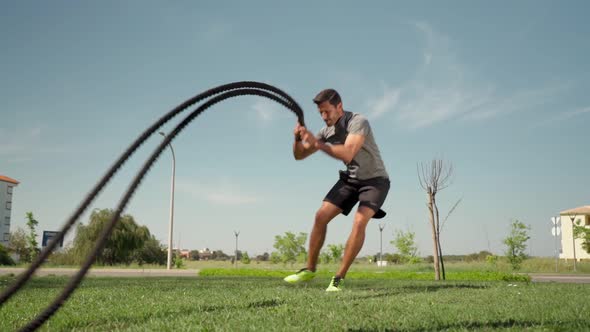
point(348, 137)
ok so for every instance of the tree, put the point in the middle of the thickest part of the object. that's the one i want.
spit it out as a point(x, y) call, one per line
point(516, 243)
point(151, 252)
point(32, 238)
point(581, 232)
point(406, 245)
point(219, 255)
point(325, 257)
point(290, 247)
point(245, 258)
point(194, 255)
point(18, 244)
point(125, 239)
point(336, 251)
point(264, 257)
point(433, 179)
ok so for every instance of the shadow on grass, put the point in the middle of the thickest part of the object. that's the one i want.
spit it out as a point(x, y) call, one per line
point(266, 303)
point(502, 324)
point(397, 290)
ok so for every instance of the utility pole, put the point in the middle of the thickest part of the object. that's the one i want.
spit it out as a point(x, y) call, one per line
point(555, 231)
point(237, 233)
point(381, 227)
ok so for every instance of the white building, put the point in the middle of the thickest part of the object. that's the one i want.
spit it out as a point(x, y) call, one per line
point(6, 189)
point(579, 215)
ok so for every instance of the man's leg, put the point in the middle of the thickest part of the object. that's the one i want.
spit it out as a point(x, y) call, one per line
point(323, 216)
point(355, 239)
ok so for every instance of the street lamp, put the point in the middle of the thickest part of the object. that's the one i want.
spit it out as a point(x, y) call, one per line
point(170, 225)
point(381, 227)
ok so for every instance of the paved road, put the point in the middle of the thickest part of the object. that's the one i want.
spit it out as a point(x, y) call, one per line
point(536, 277)
point(562, 278)
point(107, 272)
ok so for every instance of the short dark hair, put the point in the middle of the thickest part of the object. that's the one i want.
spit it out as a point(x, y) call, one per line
point(329, 95)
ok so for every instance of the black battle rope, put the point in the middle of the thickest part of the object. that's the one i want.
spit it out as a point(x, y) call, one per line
point(75, 280)
point(26, 275)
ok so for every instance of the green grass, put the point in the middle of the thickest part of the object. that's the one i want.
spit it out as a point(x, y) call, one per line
point(532, 265)
point(267, 304)
point(385, 274)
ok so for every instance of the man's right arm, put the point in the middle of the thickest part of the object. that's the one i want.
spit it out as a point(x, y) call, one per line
point(302, 149)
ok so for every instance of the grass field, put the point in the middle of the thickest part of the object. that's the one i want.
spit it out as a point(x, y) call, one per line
point(263, 303)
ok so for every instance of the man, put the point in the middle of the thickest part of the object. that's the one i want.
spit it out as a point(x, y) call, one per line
point(348, 137)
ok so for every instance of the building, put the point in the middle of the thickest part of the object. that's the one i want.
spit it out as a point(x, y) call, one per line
point(6, 190)
point(579, 215)
point(205, 254)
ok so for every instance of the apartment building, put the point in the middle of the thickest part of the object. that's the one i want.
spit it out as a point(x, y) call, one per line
point(6, 197)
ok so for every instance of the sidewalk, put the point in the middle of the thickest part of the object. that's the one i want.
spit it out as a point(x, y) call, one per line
point(106, 272)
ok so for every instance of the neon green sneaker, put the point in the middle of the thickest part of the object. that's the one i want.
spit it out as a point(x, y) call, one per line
point(335, 285)
point(301, 275)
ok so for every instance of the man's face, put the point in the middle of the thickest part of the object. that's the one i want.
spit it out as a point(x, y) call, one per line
point(330, 113)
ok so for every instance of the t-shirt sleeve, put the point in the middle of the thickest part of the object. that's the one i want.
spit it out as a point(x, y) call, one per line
point(358, 125)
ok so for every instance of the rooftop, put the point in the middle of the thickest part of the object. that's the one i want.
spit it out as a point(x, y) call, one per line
point(7, 179)
point(579, 210)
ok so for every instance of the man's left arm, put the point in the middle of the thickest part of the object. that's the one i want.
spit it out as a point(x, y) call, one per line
point(345, 152)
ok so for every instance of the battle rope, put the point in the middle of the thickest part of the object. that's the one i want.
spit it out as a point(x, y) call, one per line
point(234, 90)
point(26, 275)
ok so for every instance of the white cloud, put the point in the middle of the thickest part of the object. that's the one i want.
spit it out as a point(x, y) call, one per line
point(23, 144)
point(216, 30)
point(445, 89)
point(384, 103)
point(219, 191)
point(264, 109)
point(562, 117)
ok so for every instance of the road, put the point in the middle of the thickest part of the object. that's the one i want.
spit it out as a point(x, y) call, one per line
point(106, 272)
point(561, 278)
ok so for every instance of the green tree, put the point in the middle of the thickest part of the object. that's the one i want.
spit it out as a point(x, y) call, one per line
point(336, 251)
point(264, 257)
point(18, 244)
point(120, 247)
point(581, 232)
point(325, 257)
point(151, 252)
point(516, 243)
point(194, 255)
point(32, 237)
point(245, 258)
point(275, 258)
point(219, 255)
point(290, 247)
point(406, 246)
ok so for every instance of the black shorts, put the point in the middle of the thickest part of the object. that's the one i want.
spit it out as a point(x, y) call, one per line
point(347, 192)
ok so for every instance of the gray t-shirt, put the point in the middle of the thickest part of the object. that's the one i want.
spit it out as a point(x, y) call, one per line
point(367, 163)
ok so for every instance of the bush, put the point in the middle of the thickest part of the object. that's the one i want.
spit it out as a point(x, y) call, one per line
point(5, 258)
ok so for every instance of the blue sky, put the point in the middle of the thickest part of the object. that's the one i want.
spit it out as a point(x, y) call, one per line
point(500, 90)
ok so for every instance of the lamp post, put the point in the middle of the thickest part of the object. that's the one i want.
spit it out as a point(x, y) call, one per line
point(170, 225)
point(381, 227)
point(236, 233)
